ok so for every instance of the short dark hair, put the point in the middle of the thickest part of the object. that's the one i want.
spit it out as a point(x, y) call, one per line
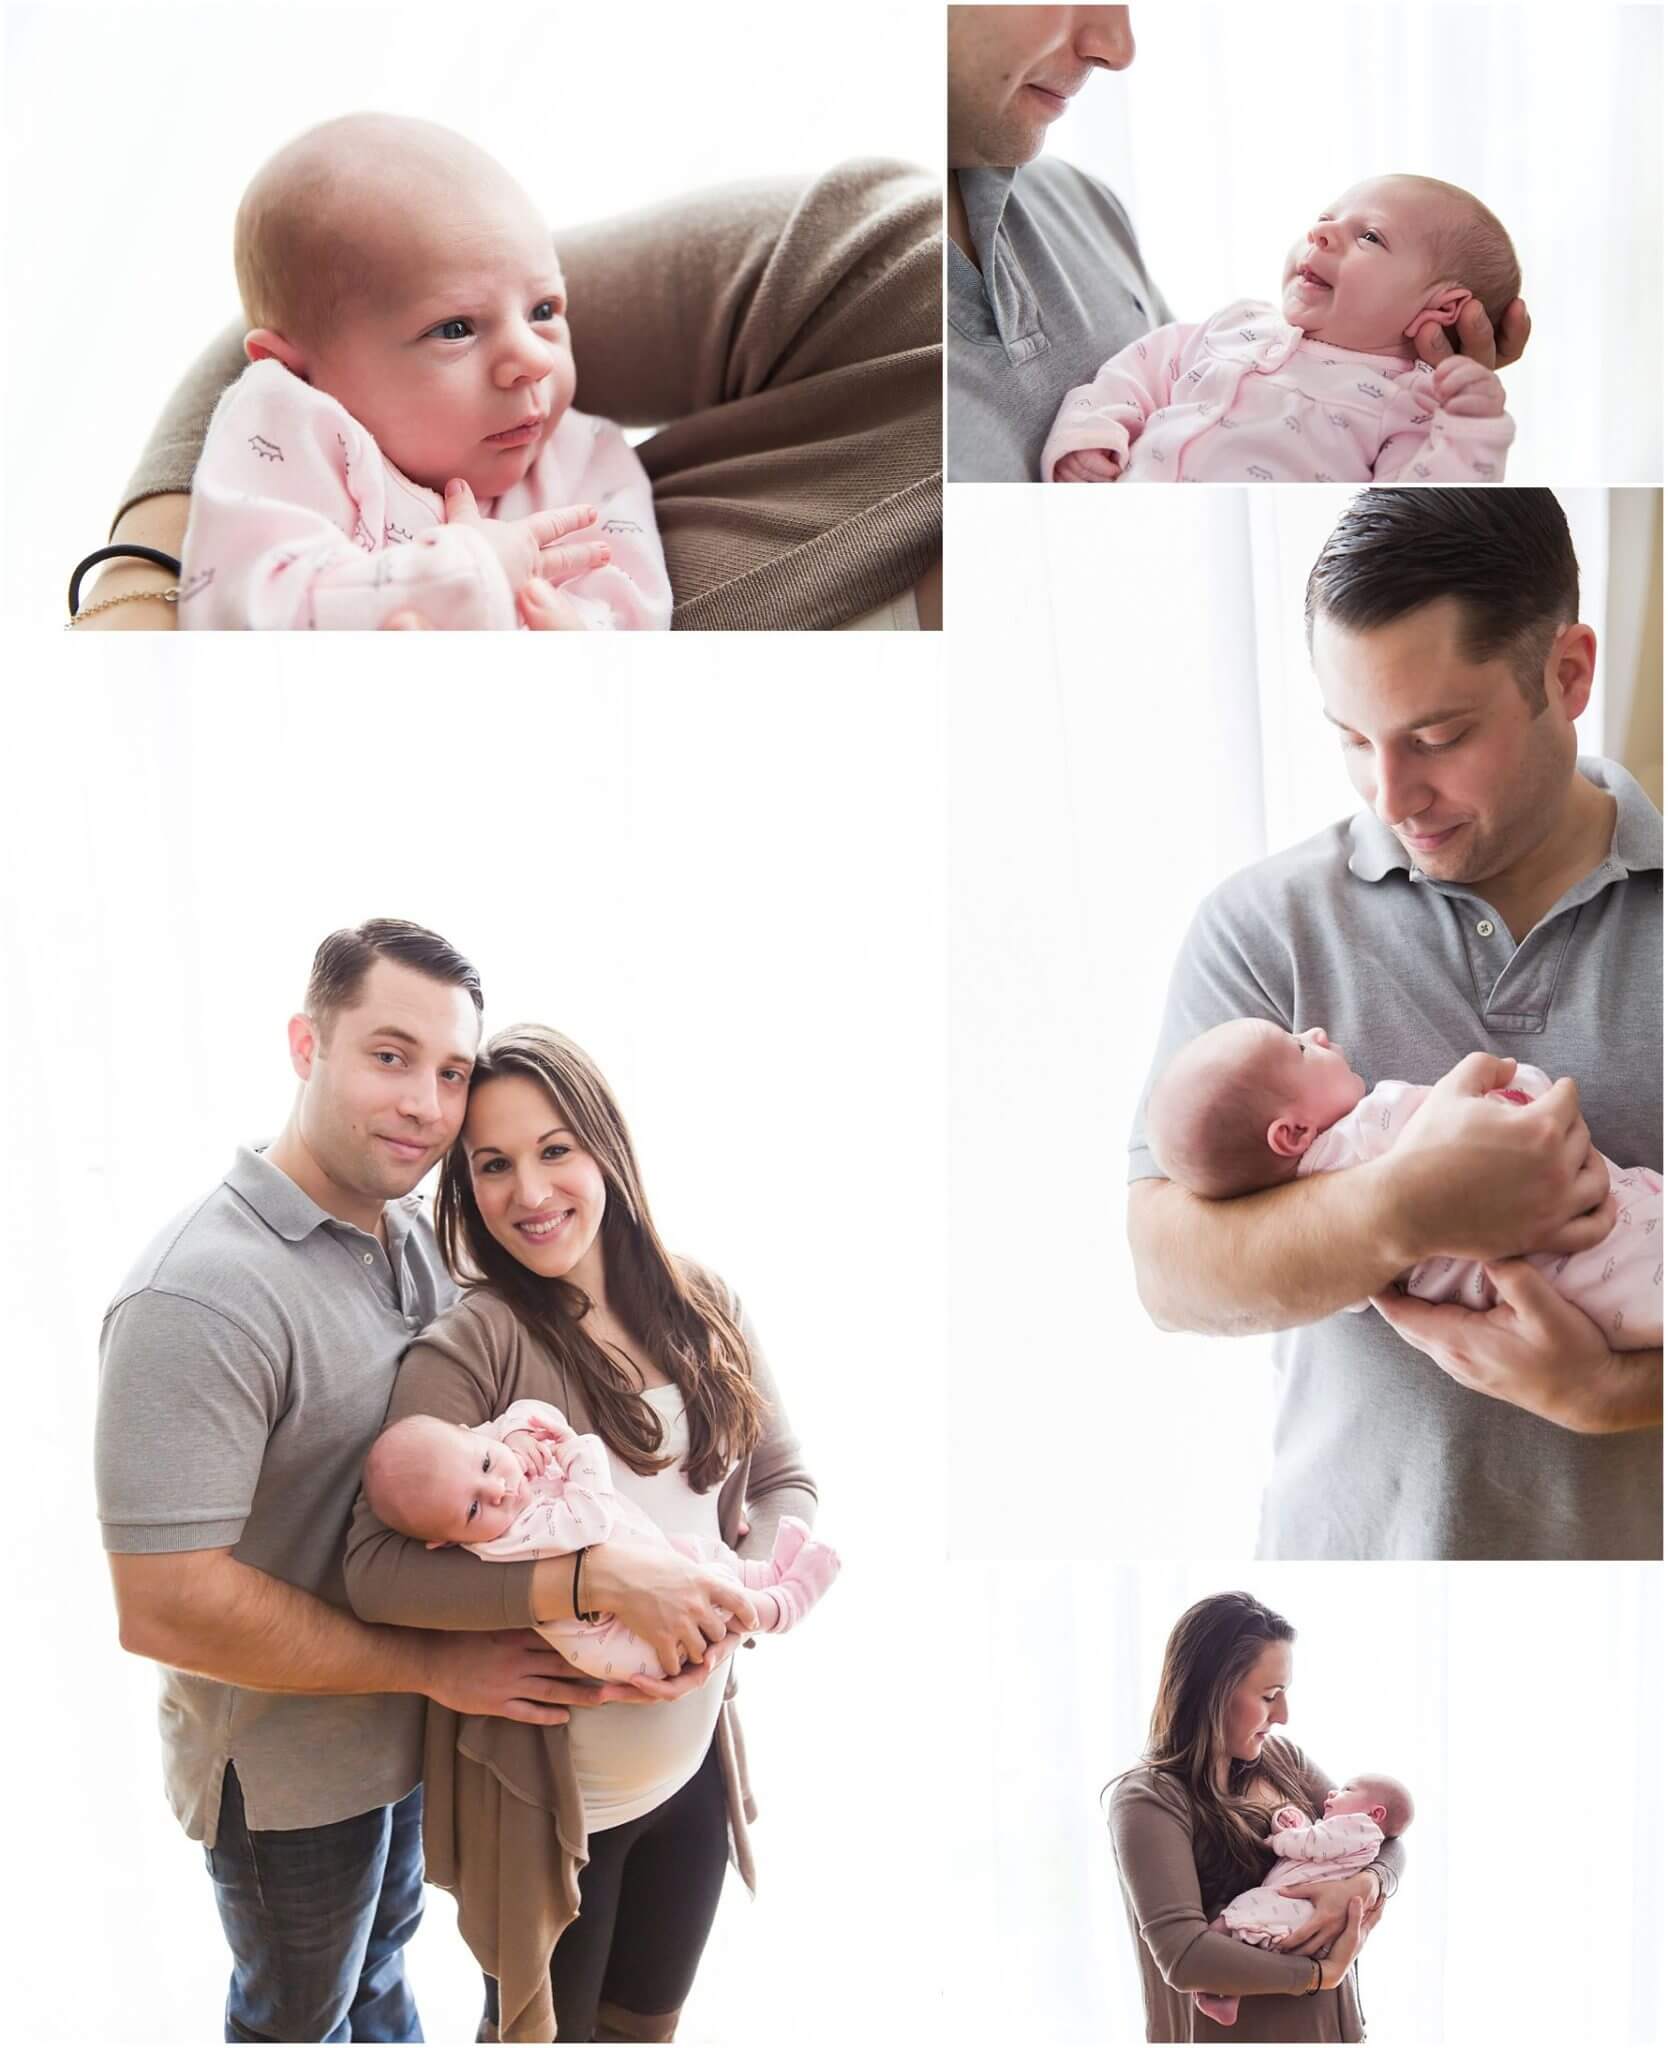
point(345, 958)
point(1505, 554)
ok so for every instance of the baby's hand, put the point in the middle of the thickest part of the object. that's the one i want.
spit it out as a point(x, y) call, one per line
point(1467, 390)
point(534, 1448)
point(530, 547)
point(1087, 466)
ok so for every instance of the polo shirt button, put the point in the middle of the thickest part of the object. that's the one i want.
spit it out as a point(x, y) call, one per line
point(368, 1255)
point(1485, 928)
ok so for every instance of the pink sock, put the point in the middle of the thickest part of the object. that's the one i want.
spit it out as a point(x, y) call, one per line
point(795, 1588)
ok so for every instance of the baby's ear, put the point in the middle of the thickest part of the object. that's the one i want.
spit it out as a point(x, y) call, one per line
point(447, 1545)
point(1443, 305)
point(261, 344)
point(1288, 1139)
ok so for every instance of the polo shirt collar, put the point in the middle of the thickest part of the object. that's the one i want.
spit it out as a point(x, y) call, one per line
point(1636, 844)
point(984, 193)
point(289, 1211)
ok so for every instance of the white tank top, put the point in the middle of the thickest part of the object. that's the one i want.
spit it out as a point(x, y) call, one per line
point(631, 1759)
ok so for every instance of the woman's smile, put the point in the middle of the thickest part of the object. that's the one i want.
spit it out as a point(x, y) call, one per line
point(548, 1224)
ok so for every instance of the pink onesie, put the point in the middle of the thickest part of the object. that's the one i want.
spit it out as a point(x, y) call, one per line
point(299, 520)
point(574, 1504)
point(1618, 1283)
point(1245, 397)
point(1309, 1850)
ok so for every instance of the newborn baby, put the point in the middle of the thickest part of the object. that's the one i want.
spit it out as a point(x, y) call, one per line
point(1248, 1105)
point(404, 437)
point(1351, 1831)
point(526, 1485)
point(1327, 386)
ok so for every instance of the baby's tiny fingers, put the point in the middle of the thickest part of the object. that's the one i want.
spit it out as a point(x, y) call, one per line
point(556, 565)
point(557, 525)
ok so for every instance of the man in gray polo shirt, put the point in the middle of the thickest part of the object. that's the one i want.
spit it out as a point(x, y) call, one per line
point(246, 1364)
point(1497, 900)
point(1045, 278)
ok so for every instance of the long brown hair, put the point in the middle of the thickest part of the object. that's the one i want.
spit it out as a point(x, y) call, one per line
point(672, 1311)
point(1210, 1650)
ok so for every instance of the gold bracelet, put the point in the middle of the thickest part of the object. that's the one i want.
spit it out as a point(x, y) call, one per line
point(169, 596)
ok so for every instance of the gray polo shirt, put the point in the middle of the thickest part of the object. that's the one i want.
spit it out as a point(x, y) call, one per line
point(245, 1366)
point(1059, 287)
point(1377, 1453)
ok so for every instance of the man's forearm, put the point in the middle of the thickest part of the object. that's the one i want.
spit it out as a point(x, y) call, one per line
point(207, 1613)
point(1265, 1261)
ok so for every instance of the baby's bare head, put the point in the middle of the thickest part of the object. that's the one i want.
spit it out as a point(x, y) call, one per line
point(1467, 243)
point(414, 1474)
point(1387, 1799)
point(348, 213)
point(1210, 1109)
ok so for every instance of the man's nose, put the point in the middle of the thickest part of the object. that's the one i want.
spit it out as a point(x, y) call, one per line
point(1103, 37)
point(1402, 792)
point(422, 1099)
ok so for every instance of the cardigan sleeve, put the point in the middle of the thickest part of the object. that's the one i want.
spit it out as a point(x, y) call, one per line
point(452, 1371)
point(1153, 1843)
point(778, 1480)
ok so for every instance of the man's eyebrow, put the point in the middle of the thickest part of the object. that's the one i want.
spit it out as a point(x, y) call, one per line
point(1418, 724)
point(401, 1036)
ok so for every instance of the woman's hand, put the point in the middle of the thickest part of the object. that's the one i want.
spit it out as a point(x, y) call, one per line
point(1335, 1963)
point(1332, 1898)
point(678, 1606)
point(693, 1676)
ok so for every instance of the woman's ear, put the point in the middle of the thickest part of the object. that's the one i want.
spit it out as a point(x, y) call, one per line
point(263, 343)
point(1443, 305)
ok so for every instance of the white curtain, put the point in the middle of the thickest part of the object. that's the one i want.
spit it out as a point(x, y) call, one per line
point(1521, 1706)
point(1140, 722)
point(730, 890)
point(1236, 125)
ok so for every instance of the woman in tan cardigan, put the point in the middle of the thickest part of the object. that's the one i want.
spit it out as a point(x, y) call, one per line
point(587, 1858)
point(1190, 1828)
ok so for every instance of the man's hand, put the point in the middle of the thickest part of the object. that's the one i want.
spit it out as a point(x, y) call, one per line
point(513, 1674)
point(1493, 347)
point(1087, 466)
point(1476, 1179)
point(531, 547)
point(1468, 390)
point(1535, 1350)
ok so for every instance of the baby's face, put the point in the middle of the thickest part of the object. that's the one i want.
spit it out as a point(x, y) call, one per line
point(1351, 1798)
point(456, 356)
point(480, 1486)
point(1304, 1072)
point(1361, 273)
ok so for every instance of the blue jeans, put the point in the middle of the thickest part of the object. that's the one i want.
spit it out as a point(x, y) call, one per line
point(318, 1920)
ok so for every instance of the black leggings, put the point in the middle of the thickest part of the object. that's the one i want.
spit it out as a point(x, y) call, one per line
point(647, 1899)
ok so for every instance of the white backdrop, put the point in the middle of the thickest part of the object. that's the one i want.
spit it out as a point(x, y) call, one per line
point(1140, 722)
point(131, 130)
point(1236, 125)
point(1522, 1706)
point(730, 890)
